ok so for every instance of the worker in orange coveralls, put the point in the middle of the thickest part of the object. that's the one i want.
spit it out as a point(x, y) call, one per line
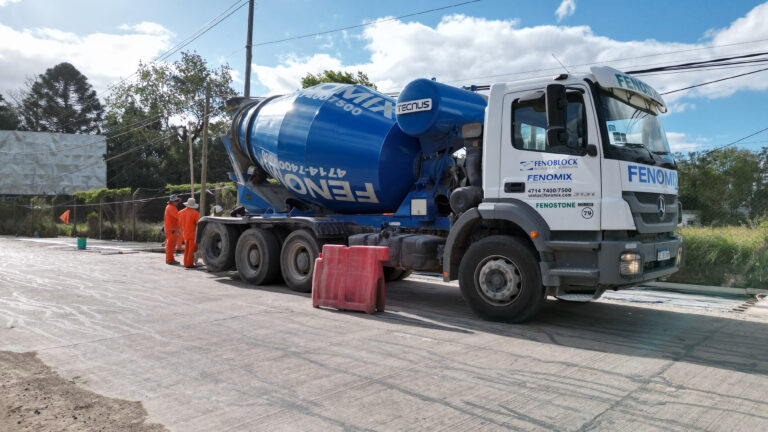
point(188, 219)
point(171, 228)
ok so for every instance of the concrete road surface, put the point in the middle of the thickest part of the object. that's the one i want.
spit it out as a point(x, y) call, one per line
point(207, 352)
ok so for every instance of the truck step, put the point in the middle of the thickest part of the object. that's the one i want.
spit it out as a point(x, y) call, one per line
point(573, 245)
point(575, 272)
point(582, 298)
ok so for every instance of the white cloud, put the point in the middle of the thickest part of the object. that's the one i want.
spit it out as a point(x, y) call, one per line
point(287, 76)
point(455, 52)
point(104, 58)
point(147, 27)
point(7, 2)
point(680, 142)
point(566, 9)
point(677, 106)
point(236, 76)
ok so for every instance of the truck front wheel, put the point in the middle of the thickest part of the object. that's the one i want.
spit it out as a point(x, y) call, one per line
point(217, 247)
point(500, 280)
point(258, 256)
point(297, 260)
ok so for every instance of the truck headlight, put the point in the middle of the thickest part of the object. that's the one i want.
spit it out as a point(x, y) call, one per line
point(630, 264)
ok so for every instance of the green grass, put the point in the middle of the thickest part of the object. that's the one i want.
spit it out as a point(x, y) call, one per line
point(725, 256)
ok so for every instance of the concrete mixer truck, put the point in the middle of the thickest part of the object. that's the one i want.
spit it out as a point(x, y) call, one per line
point(559, 187)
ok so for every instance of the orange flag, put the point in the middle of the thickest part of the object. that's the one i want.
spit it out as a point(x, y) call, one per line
point(65, 217)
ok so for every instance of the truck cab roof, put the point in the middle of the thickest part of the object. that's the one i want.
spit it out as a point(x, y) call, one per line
point(606, 77)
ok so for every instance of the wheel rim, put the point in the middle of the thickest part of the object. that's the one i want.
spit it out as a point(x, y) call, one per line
point(299, 262)
point(254, 257)
point(498, 280)
point(216, 247)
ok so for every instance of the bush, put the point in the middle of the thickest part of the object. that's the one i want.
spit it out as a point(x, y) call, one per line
point(725, 256)
point(93, 223)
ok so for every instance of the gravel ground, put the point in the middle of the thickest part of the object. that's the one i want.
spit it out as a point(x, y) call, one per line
point(35, 398)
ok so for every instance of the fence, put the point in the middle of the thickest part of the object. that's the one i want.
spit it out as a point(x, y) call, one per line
point(105, 214)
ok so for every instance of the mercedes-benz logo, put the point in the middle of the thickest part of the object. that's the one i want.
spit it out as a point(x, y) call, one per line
point(662, 207)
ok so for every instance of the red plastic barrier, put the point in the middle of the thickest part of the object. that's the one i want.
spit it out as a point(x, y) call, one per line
point(350, 278)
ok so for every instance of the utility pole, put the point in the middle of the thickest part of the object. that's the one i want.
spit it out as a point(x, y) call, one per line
point(74, 218)
point(191, 163)
point(248, 46)
point(204, 174)
point(133, 211)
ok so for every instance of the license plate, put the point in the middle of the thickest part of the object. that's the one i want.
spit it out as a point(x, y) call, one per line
point(663, 254)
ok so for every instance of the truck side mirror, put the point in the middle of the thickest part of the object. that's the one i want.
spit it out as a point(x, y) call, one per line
point(556, 102)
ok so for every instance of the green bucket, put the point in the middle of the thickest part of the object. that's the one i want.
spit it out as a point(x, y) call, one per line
point(81, 243)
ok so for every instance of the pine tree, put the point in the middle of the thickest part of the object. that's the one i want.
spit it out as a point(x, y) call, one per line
point(61, 100)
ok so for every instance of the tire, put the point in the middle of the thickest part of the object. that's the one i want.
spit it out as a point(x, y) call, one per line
point(217, 247)
point(511, 288)
point(258, 256)
point(297, 260)
point(394, 274)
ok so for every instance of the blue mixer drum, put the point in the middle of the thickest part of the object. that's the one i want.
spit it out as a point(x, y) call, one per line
point(336, 145)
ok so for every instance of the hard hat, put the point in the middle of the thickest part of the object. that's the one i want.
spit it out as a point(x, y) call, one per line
point(174, 197)
point(218, 209)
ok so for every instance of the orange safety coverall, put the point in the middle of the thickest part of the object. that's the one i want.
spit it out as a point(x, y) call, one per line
point(171, 231)
point(188, 219)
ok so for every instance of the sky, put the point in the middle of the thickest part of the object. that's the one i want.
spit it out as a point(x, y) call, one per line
point(477, 42)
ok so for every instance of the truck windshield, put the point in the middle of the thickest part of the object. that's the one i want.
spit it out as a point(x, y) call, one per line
point(632, 125)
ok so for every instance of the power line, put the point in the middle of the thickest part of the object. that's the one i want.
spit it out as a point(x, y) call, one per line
point(69, 203)
point(141, 124)
point(607, 61)
point(365, 24)
point(715, 81)
point(199, 31)
point(659, 73)
point(203, 32)
point(144, 122)
point(705, 63)
point(186, 41)
point(736, 142)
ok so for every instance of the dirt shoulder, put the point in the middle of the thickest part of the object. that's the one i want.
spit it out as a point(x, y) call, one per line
point(35, 398)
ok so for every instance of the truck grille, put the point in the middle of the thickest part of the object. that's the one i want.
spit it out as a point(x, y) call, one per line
point(646, 214)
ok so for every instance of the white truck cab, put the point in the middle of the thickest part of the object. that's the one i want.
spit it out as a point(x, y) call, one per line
point(584, 161)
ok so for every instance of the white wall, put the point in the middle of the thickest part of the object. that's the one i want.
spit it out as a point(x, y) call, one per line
point(42, 163)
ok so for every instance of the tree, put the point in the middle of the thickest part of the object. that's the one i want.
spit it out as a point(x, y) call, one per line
point(337, 77)
point(727, 186)
point(153, 110)
point(9, 120)
point(61, 100)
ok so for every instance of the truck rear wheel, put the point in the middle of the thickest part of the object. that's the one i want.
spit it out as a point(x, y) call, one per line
point(500, 280)
point(258, 256)
point(297, 260)
point(217, 247)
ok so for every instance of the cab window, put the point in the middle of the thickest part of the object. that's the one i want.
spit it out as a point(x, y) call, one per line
point(529, 125)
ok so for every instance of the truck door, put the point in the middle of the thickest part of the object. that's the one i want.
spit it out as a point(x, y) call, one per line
point(560, 182)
